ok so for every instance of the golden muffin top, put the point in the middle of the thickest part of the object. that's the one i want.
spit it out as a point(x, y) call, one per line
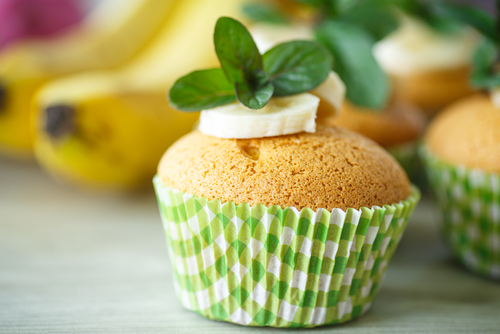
point(399, 123)
point(467, 133)
point(332, 168)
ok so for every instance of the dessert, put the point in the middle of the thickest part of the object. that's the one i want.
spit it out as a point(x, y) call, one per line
point(463, 165)
point(429, 68)
point(276, 229)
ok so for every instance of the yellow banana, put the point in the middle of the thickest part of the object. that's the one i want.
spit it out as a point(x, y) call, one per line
point(109, 130)
point(114, 33)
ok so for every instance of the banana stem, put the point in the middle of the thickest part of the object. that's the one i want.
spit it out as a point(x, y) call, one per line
point(59, 121)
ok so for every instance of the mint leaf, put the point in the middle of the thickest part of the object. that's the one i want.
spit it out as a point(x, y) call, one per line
point(470, 15)
point(241, 62)
point(330, 7)
point(297, 66)
point(257, 95)
point(483, 62)
point(236, 50)
point(367, 85)
point(377, 18)
point(264, 13)
point(201, 90)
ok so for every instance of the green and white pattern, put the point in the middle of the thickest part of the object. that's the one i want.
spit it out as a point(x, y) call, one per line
point(268, 266)
point(469, 200)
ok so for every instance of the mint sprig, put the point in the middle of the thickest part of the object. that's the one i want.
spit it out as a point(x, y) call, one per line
point(296, 67)
point(201, 90)
point(348, 29)
point(367, 84)
point(263, 12)
point(287, 69)
point(485, 62)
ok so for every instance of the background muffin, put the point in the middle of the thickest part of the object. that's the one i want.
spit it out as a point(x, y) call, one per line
point(462, 158)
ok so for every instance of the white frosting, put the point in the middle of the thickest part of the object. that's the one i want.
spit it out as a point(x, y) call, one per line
point(415, 48)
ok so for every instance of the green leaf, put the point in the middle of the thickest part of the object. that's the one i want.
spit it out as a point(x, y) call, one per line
point(470, 15)
point(378, 18)
point(483, 61)
point(236, 50)
point(201, 90)
point(264, 13)
point(367, 85)
point(297, 66)
point(331, 8)
point(254, 97)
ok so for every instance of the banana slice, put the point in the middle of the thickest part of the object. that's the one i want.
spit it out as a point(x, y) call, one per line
point(495, 97)
point(331, 93)
point(267, 35)
point(281, 116)
point(417, 48)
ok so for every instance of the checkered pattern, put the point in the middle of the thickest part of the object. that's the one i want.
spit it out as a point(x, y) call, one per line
point(470, 204)
point(268, 266)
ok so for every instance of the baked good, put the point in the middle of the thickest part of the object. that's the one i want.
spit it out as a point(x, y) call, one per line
point(331, 168)
point(270, 219)
point(461, 155)
point(429, 68)
point(288, 231)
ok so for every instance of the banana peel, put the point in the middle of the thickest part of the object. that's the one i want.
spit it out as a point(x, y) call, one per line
point(111, 139)
point(107, 39)
point(120, 122)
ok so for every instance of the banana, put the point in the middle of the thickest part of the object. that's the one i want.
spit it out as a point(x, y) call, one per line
point(280, 116)
point(109, 129)
point(114, 33)
point(495, 97)
point(331, 93)
point(267, 35)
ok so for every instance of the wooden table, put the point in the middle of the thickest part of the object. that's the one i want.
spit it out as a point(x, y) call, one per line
point(77, 262)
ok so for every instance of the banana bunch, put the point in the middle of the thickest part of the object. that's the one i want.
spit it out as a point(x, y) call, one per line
point(114, 33)
point(109, 129)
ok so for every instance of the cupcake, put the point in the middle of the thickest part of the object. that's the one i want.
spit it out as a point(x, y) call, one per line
point(461, 155)
point(429, 68)
point(271, 220)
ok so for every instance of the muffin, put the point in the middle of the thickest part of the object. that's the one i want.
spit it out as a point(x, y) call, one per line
point(461, 154)
point(285, 231)
point(398, 129)
point(272, 220)
point(428, 68)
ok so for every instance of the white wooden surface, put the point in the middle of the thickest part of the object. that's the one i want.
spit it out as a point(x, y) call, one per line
point(74, 262)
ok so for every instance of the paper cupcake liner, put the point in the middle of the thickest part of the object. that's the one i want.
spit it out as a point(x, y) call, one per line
point(268, 266)
point(469, 200)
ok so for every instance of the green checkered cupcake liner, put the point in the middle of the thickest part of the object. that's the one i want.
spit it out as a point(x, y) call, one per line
point(268, 266)
point(469, 200)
